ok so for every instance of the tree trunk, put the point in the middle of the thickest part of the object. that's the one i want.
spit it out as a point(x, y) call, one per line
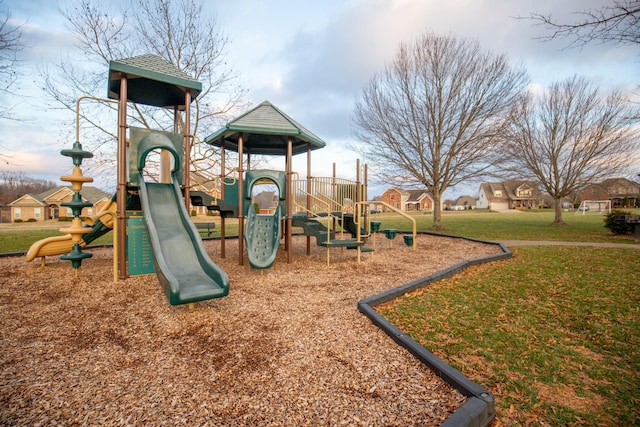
point(437, 212)
point(558, 217)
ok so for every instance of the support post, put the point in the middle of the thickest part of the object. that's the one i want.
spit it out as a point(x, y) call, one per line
point(187, 151)
point(289, 195)
point(240, 201)
point(121, 195)
point(222, 192)
point(309, 179)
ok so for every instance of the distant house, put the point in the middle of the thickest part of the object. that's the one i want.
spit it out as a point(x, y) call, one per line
point(464, 203)
point(512, 194)
point(199, 182)
point(407, 200)
point(376, 207)
point(267, 201)
point(5, 213)
point(48, 205)
point(448, 204)
point(620, 191)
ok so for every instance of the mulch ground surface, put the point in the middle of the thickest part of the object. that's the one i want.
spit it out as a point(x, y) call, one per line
point(287, 347)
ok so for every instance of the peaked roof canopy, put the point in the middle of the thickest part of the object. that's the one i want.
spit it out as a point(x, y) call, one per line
point(151, 81)
point(265, 130)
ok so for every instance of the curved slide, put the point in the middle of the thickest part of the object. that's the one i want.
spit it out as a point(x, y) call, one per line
point(183, 266)
point(262, 238)
point(58, 245)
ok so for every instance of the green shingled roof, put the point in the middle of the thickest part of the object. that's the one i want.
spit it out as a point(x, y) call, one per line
point(266, 130)
point(151, 80)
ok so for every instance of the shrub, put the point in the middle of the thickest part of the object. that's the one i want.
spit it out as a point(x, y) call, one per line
point(31, 220)
point(617, 227)
point(194, 213)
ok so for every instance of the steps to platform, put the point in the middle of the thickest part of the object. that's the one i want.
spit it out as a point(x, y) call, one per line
point(315, 228)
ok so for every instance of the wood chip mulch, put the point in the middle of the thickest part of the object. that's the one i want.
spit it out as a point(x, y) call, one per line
point(287, 347)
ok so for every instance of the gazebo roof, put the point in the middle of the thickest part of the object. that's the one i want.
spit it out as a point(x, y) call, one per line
point(151, 80)
point(265, 130)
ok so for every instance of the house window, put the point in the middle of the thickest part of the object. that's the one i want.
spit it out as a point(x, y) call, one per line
point(69, 212)
point(523, 193)
point(390, 196)
point(37, 213)
point(89, 211)
point(17, 213)
point(497, 193)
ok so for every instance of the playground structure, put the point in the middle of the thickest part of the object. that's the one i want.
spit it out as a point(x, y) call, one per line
point(151, 221)
point(319, 206)
point(153, 231)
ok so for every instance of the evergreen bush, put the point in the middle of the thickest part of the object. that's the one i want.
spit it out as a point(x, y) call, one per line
point(616, 226)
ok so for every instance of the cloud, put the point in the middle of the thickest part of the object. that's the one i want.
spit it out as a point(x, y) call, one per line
point(313, 61)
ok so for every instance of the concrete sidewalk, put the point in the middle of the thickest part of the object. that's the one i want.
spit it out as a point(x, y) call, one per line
point(511, 243)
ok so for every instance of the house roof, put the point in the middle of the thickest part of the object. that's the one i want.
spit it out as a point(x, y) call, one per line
point(489, 189)
point(266, 199)
point(151, 80)
point(91, 194)
point(265, 130)
point(509, 190)
point(629, 187)
point(416, 195)
point(52, 191)
point(465, 200)
point(411, 196)
point(27, 200)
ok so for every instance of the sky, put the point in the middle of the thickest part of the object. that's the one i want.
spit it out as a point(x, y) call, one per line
point(311, 59)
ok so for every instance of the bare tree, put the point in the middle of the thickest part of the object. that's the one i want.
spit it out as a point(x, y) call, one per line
point(14, 185)
point(179, 31)
point(571, 136)
point(10, 45)
point(617, 23)
point(433, 117)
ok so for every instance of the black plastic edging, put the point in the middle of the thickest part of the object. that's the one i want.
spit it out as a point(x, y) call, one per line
point(479, 409)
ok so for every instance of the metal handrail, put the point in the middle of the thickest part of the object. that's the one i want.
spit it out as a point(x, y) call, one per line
point(315, 215)
point(379, 202)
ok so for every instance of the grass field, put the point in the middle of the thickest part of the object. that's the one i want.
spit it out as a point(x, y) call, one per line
point(523, 225)
point(552, 332)
point(526, 225)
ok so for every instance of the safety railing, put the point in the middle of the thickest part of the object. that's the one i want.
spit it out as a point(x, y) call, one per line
point(359, 218)
point(315, 215)
point(338, 193)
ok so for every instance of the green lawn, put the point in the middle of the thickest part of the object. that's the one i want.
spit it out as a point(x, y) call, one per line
point(14, 239)
point(525, 225)
point(552, 333)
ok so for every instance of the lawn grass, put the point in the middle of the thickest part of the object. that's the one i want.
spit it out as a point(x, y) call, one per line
point(552, 333)
point(20, 240)
point(17, 239)
point(524, 225)
point(478, 224)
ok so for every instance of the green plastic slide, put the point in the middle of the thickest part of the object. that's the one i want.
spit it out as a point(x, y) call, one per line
point(183, 266)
